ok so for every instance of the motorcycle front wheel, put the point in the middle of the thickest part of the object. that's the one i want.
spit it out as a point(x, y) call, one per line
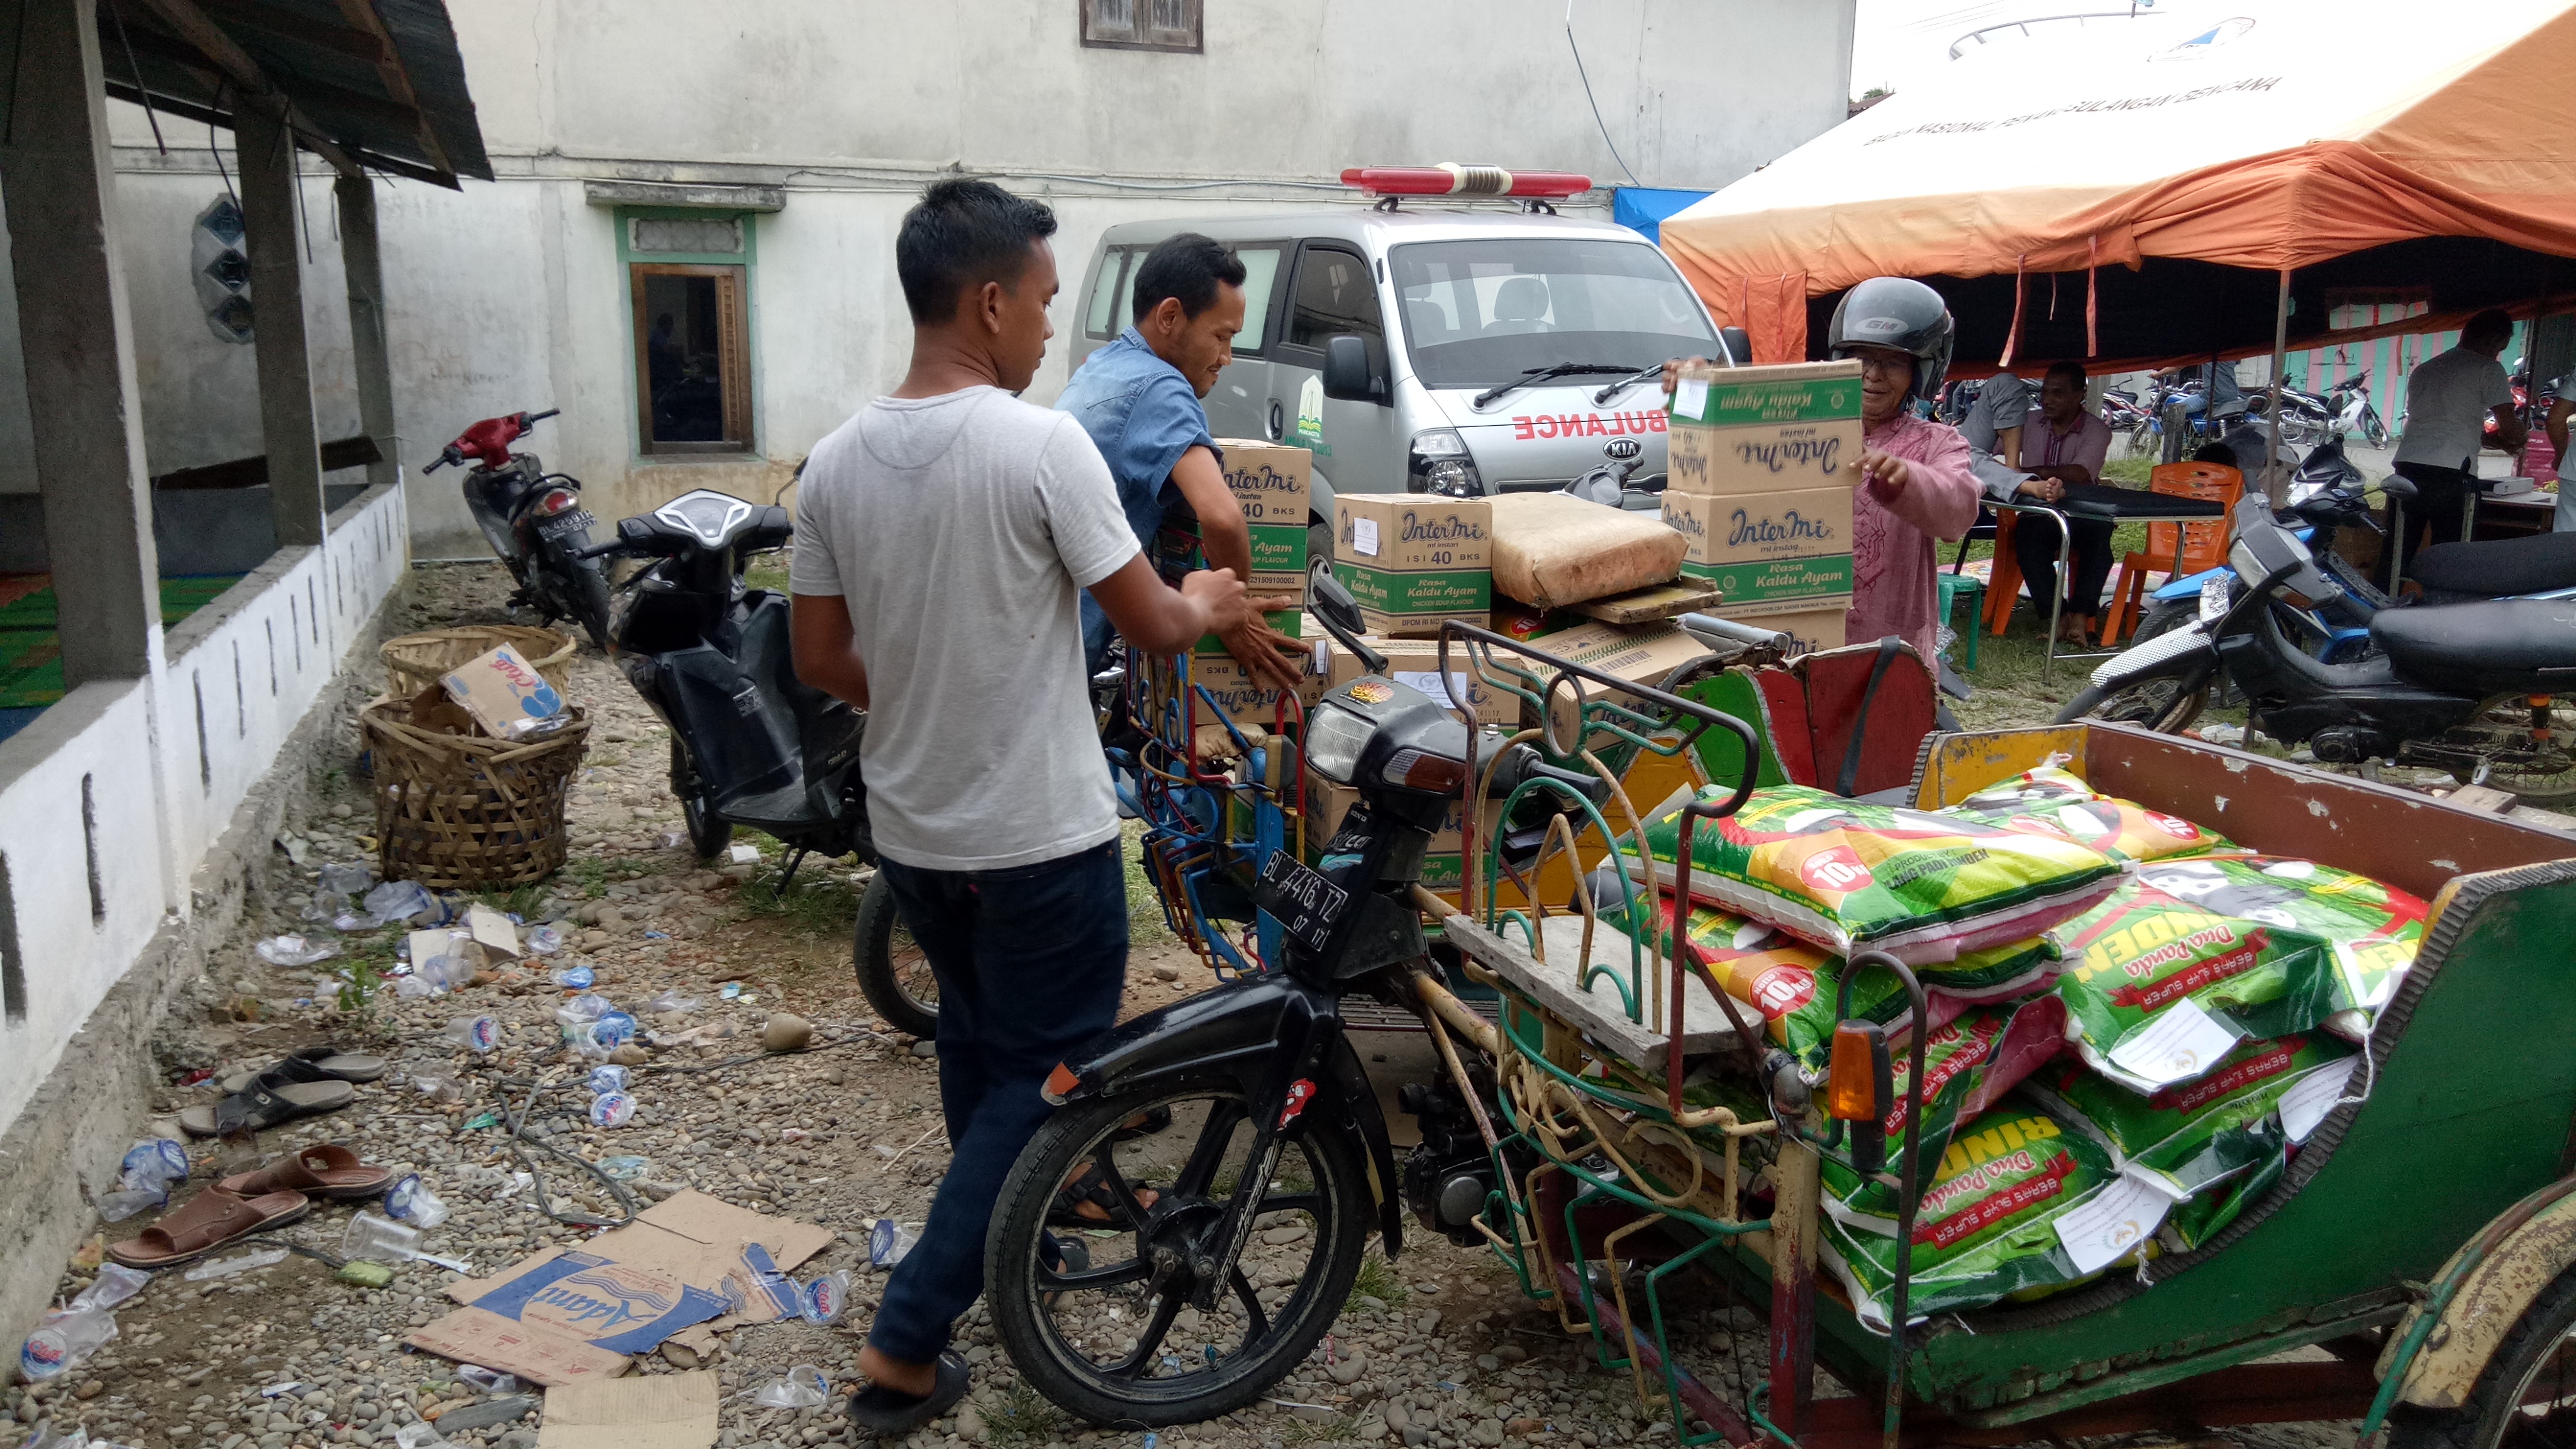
point(1121, 1341)
point(708, 836)
point(590, 600)
point(904, 992)
point(2166, 702)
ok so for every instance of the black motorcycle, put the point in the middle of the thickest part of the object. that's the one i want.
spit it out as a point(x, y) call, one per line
point(534, 520)
point(1232, 1235)
point(751, 745)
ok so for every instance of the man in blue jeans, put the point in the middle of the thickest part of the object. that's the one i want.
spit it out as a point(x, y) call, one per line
point(1138, 398)
point(943, 538)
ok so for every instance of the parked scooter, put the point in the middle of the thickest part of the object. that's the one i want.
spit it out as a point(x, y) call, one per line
point(534, 520)
point(2467, 688)
point(751, 745)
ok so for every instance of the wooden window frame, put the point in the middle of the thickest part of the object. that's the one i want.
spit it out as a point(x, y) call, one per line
point(733, 346)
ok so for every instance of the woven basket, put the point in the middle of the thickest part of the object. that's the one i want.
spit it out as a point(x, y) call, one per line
point(469, 812)
point(414, 662)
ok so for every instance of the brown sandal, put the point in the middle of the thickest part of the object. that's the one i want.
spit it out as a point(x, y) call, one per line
point(325, 1170)
point(209, 1221)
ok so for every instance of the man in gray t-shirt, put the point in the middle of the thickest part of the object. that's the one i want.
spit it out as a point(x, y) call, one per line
point(943, 538)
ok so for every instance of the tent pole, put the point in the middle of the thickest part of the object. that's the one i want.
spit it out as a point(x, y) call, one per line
point(2276, 480)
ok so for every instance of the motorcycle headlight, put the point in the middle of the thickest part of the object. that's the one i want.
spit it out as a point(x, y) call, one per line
point(1334, 739)
point(1440, 463)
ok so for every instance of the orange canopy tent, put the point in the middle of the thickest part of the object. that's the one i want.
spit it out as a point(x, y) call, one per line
point(2138, 194)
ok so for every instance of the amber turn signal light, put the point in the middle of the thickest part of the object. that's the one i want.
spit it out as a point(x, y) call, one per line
point(1851, 1087)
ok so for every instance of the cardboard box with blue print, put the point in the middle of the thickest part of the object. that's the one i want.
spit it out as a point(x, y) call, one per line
point(505, 696)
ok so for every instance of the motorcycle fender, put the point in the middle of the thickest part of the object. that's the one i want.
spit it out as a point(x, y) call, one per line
point(1236, 1032)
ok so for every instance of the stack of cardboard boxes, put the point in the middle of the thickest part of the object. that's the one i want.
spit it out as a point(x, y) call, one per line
point(1274, 486)
point(1412, 560)
point(1763, 463)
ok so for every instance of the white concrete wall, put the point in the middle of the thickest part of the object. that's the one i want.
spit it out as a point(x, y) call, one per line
point(510, 295)
point(162, 790)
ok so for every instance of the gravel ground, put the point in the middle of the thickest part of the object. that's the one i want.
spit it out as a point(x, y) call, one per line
point(1439, 1349)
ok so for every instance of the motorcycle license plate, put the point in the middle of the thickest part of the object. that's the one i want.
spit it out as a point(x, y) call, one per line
point(577, 521)
point(1297, 896)
point(2214, 600)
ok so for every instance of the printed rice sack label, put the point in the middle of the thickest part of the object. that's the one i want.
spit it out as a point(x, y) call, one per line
point(1850, 877)
point(2159, 990)
point(2019, 1202)
point(2372, 929)
point(1970, 1062)
point(2053, 800)
point(1792, 985)
point(2204, 1130)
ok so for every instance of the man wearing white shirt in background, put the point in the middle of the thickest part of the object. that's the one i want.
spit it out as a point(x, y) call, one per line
point(2448, 401)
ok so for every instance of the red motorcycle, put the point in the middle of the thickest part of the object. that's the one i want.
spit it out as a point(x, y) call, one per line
point(534, 520)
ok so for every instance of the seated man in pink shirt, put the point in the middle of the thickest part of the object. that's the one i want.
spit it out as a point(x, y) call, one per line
point(1915, 480)
point(2062, 442)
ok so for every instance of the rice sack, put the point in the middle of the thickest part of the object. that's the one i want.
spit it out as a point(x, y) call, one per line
point(1996, 973)
point(2019, 1201)
point(2205, 1130)
point(2053, 800)
point(1790, 984)
point(2372, 929)
point(1853, 877)
point(2159, 989)
point(1971, 1062)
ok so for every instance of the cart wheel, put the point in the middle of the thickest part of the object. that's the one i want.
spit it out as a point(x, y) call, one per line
point(2527, 1397)
point(904, 992)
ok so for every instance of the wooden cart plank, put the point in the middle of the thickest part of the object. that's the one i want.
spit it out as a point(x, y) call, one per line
point(1656, 601)
point(1556, 985)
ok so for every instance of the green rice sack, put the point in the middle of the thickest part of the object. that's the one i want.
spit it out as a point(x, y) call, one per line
point(1851, 877)
point(2201, 1131)
point(2054, 801)
point(2160, 989)
point(2019, 1201)
point(1973, 1060)
point(1749, 954)
point(2371, 928)
point(1789, 983)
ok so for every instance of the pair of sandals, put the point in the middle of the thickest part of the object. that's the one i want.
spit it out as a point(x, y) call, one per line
point(307, 1084)
point(250, 1202)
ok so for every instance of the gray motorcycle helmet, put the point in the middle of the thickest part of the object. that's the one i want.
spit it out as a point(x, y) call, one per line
point(1896, 312)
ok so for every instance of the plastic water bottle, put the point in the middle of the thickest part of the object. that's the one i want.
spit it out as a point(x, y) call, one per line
point(410, 1202)
point(62, 1340)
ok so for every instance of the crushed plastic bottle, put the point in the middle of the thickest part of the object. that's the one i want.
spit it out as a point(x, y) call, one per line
point(238, 1263)
point(488, 1380)
point(379, 1240)
point(144, 1178)
point(827, 1297)
point(625, 1168)
point(477, 1034)
point(439, 1087)
point(612, 1109)
point(803, 1388)
point(575, 977)
point(542, 941)
point(65, 1337)
point(399, 900)
point(294, 951)
point(667, 1001)
point(889, 1242)
point(584, 1009)
point(608, 1079)
point(411, 1203)
point(346, 880)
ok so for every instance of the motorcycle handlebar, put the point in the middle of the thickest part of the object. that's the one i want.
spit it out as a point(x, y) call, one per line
point(600, 550)
point(527, 418)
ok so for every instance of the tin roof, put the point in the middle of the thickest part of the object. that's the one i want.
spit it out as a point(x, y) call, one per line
point(368, 83)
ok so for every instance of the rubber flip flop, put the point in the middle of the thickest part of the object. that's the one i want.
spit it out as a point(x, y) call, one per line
point(265, 1103)
point(208, 1221)
point(1091, 1189)
point(890, 1415)
point(317, 1064)
point(327, 1170)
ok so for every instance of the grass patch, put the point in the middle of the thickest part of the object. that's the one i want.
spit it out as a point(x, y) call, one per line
point(817, 906)
point(1145, 924)
point(768, 571)
point(591, 875)
point(522, 901)
point(1377, 1280)
point(1339, 1429)
point(1022, 1416)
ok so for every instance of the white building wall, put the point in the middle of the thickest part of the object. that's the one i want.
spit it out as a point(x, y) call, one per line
point(511, 296)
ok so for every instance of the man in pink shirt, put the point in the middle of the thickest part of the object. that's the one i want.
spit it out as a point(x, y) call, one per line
point(2061, 443)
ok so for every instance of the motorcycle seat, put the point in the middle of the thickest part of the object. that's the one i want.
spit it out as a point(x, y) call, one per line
point(2499, 568)
point(2501, 646)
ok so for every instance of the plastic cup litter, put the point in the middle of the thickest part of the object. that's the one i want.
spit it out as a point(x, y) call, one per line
point(608, 1079)
point(827, 1298)
point(543, 941)
point(803, 1388)
point(411, 1203)
point(612, 1109)
point(379, 1240)
point(574, 978)
point(476, 1034)
point(613, 1030)
point(625, 1168)
point(889, 1241)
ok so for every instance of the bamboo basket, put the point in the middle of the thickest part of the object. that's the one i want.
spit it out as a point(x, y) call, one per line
point(415, 662)
point(469, 812)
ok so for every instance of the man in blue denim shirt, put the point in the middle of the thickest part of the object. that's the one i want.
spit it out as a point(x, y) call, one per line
point(1138, 398)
